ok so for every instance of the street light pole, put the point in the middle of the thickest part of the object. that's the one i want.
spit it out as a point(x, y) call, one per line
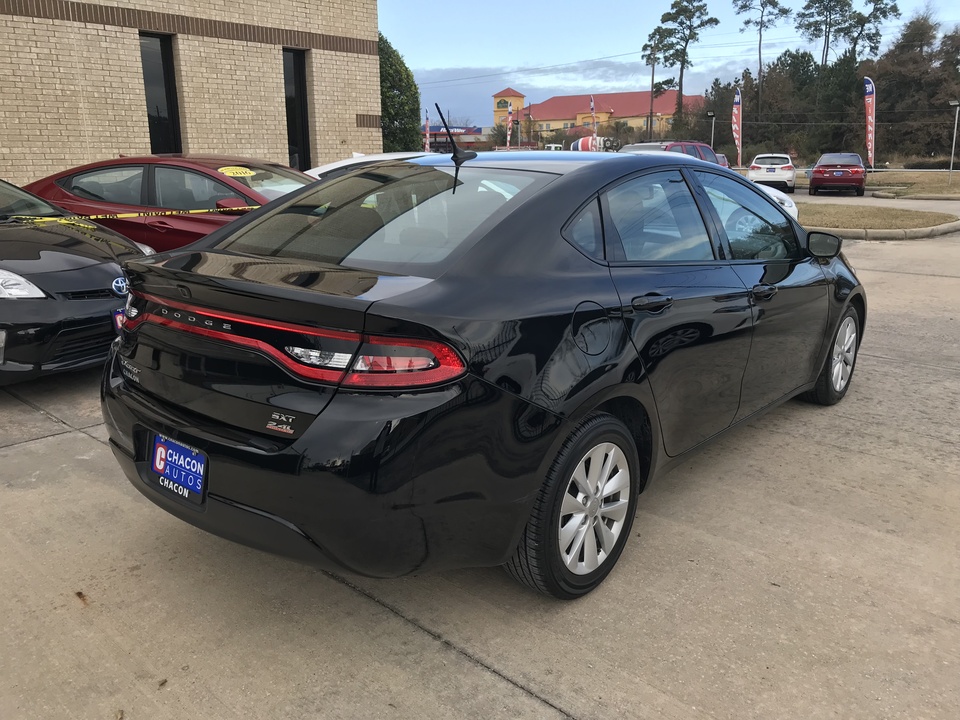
point(956, 114)
point(713, 121)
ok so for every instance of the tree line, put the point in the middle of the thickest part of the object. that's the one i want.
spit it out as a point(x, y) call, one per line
point(809, 105)
point(797, 102)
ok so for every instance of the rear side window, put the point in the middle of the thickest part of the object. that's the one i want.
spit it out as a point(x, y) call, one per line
point(708, 154)
point(585, 231)
point(119, 185)
point(404, 219)
point(657, 220)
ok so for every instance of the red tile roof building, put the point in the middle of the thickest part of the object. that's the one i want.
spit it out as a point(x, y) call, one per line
point(573, 111)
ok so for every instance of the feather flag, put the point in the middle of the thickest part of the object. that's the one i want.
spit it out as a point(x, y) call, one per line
point(737, 128)
point(870, 105)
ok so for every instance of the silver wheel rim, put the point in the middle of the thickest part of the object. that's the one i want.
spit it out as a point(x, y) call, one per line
point(594, 509)
point(844, 354)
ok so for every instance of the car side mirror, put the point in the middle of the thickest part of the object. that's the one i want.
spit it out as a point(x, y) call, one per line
point(823, 245)
point(232, 203)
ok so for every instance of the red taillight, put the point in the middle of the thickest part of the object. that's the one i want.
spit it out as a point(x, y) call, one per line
point(381, 362)
point(786, 167)
point(856, 170)
point(756, 167)
point(385, 362)
point(819, 171)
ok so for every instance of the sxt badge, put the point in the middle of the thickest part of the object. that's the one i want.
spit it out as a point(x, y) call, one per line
point(281, 423)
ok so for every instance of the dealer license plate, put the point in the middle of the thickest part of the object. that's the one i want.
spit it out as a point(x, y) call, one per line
point(178, 468)
point(771, 169)
point(838, 173)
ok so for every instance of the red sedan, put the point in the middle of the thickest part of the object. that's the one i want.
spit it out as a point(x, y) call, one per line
point(168, 182)
point(838, 171)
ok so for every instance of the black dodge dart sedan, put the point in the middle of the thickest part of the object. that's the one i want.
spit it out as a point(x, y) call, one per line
point(441, 362)
point(60, 287)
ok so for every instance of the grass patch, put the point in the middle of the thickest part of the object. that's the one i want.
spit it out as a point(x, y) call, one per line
point(906, 182)
point(853, 217)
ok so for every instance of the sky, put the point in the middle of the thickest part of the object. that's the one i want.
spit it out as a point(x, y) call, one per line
point(461, 55)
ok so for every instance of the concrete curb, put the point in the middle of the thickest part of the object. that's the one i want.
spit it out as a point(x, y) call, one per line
point(891, 196)
point(908, 234)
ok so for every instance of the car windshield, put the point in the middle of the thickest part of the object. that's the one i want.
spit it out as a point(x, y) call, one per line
point(403, 219)
point(771, 160)
point(840, 159)
point(270, 181)
point(14, 201)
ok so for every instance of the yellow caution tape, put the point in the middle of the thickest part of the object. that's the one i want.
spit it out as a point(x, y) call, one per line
point(125, 216)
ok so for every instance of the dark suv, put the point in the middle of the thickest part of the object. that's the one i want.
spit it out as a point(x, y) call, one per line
point(690, 147)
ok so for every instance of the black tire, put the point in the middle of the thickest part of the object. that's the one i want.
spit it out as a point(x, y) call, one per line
point(860, 192)
point(537, 561)
point(826, 392)
point(811, 190)
point(790, 189)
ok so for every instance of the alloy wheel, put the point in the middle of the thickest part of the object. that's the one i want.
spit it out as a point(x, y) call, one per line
point(844, 354)
point(594, 509)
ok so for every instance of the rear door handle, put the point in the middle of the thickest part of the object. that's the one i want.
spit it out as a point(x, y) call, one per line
point(160, 225)
point(651, 303)
point(763, 292)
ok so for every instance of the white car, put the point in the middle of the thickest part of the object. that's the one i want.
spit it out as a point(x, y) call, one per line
point(774, 169)
point(782, 199)
point(324, 171)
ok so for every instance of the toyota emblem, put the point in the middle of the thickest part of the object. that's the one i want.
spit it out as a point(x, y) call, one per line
point(119, 287)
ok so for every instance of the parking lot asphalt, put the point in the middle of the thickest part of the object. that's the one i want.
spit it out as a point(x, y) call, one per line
point(806, 565)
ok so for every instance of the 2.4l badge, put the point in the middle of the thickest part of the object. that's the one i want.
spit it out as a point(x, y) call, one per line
point(281, 423)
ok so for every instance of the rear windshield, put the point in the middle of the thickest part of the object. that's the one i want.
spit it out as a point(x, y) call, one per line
point(771, 160)
point(840, 159)
point(404, 219)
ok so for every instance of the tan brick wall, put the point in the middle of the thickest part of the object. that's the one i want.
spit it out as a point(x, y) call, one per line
point(340, 87)
point(73, 92)
point(70, 94)
point(231, 98)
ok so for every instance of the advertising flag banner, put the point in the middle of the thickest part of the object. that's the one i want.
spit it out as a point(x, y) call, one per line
point(509, 122)
point(870, 105)
point(737, 128)
point(426, 139)
point(593, 115)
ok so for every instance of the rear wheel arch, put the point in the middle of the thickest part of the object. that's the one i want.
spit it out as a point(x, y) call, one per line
point(635, 417)
point(860, 304)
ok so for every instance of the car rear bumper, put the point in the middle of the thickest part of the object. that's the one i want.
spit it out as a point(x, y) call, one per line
point(837, 183)
point(49, 336)
point(428, 481)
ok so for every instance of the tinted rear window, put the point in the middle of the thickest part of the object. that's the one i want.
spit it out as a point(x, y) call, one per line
point(405, 218)
point(840, 159)
point(772, 160)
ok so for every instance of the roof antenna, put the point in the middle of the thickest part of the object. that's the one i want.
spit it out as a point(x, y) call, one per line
point(459, 154)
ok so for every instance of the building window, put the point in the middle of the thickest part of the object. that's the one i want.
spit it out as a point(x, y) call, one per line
point(566, 125)
point(540, 126)
point(160, 85)
point(586, 123)
point(295, 89)
point(548, 126)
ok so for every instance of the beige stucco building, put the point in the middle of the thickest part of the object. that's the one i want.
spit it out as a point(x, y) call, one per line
point(293, 81)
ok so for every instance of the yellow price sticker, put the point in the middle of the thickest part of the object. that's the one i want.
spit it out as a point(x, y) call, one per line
point(236, 171)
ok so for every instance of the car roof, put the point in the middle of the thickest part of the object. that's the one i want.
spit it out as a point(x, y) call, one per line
point(779, 154)
point(561, 162)
point(207, 161)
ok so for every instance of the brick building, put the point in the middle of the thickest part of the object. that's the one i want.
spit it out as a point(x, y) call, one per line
point(293, 81)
